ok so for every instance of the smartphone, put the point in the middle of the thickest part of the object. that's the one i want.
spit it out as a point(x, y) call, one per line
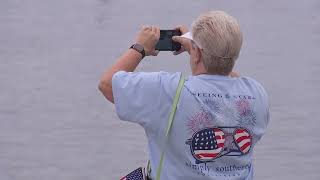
point(166, 43)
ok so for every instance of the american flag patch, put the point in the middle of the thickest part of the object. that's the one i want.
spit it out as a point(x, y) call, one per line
point(137, 174)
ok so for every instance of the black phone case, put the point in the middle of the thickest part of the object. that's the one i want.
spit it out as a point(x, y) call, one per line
point(166, 43)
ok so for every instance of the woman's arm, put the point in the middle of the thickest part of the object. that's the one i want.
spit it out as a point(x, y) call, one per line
point(147, 37)
point(127, 62)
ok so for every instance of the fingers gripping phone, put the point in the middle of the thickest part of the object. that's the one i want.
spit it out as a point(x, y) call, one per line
point(166, 43)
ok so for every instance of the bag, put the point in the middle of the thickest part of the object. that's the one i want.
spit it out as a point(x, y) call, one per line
point(142, 173)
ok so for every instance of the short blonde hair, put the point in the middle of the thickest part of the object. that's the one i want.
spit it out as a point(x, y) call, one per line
point(220, 39)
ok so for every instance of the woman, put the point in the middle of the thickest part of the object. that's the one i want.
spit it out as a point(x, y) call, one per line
point(220, 115)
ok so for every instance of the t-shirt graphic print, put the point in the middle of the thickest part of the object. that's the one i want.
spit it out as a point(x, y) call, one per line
point(218, 121)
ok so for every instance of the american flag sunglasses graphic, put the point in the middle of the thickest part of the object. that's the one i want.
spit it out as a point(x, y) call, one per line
point(242, 139)
point(209, 144)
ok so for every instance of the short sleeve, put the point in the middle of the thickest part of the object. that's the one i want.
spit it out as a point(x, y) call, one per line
point(263, 97)
point(139, 97)
point(265, 100)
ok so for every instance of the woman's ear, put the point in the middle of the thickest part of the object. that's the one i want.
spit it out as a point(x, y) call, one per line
point(198, 55)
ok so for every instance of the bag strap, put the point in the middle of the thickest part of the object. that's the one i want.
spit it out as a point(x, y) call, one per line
point(170, 122)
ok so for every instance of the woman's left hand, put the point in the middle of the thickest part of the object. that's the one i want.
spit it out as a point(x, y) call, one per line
point(148, 38)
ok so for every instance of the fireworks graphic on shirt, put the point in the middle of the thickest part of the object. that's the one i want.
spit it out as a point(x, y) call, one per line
point(199, 121)
point(248, 121)
point(243, 107)
point(247, 117)
point(214, 106)
point(229, 112)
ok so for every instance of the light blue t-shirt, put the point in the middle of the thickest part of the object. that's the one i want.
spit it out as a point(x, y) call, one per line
point(218, 121)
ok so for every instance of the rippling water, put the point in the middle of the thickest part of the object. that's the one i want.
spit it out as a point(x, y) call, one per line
point(56, 125)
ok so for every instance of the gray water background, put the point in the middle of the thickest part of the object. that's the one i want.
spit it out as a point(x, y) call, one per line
point(55, 125)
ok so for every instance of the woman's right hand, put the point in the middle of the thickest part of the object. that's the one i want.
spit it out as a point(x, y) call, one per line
point(185, 43)
point(148, 37)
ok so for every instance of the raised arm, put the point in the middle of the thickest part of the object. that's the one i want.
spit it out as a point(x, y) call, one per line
point(147, 38)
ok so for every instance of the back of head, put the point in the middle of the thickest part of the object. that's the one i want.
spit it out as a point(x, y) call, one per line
point(220, 39)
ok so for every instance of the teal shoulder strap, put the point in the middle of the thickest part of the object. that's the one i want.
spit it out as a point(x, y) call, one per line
point(170, 122)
